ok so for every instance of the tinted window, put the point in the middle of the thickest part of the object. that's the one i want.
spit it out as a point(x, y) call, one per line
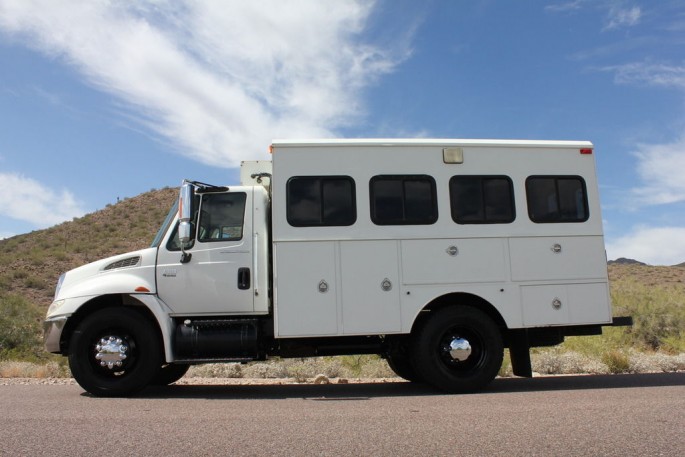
point(482, 199)
point(321, 201)
point(397, 200)
point(221, 217)
point(556, 199)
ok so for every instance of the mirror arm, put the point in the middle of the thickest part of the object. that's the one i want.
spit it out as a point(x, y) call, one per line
point(185, 256)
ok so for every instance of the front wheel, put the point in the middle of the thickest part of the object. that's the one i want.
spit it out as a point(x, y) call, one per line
point(459, 349)
point(169, 374)
point(114, 352)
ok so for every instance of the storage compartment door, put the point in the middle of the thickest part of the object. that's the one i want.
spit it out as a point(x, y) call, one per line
point(565, 304)
point(370, 287)
point(306, 302)
point(567, 258)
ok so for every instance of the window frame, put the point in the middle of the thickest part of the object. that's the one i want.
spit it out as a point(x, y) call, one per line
point(482, 179)
point(403, 179)
point(321, 200)
point(556, 179)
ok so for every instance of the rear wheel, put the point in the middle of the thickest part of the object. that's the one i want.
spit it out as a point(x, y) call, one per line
point(114, 352)
point(399, 362)
point(402, 367)
point(458, 349)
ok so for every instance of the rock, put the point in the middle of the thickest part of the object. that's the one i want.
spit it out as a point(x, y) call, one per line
point(321, 379)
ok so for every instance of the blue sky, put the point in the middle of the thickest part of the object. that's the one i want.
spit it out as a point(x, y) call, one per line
point(108, 99)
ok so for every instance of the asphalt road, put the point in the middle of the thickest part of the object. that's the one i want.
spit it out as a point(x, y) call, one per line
point(630, 415)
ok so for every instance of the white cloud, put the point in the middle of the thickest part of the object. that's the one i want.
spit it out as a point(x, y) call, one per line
point(563, 7)
point(618, 14)
point(33, 202)
point(652, 245)
point(651, 74)
point(623, 17)
point(220, 79)
point(660, 168)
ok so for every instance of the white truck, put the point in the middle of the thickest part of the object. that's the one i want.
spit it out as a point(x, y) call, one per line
point(435, 254)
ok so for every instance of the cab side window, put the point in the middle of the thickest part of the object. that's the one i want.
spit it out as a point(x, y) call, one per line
point(221, 217)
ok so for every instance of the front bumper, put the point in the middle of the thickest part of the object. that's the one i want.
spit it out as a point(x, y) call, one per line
point(52, 333)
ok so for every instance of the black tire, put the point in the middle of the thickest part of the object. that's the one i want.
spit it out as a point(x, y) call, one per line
point(400, 363)
point(458, 349)
point(169, 374)
point(114, 352)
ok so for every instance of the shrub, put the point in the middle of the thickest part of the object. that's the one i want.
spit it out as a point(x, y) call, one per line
point(20, 330)
point(558, 361)
point(16, 369)
point(616, 361)
point(658, 312)
point(216, 370)
point(655, 363)
point(35, 283)
point(20, 274)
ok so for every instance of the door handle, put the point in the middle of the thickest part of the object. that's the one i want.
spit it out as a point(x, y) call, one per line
point(243, 278)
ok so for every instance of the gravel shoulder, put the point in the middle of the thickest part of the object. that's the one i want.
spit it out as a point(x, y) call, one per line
point(191, 381)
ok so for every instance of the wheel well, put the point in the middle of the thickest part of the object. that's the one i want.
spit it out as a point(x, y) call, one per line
point(97, 304)
point(460, 299)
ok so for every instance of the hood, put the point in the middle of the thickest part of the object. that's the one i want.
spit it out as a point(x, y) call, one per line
point(133, 272)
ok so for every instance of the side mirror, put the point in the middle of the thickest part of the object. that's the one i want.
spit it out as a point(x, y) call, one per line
point(184, 228)
point(185, 210)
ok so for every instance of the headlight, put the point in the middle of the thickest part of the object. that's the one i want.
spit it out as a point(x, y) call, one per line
point(59, 284)
point(54, 305)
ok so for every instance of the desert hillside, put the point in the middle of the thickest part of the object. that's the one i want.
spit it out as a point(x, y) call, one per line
point(30, 264)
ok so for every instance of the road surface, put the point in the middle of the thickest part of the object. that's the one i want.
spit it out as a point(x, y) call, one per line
point(627, 415)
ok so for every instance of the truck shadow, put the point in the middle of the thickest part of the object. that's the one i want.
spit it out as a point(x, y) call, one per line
point(365, 391)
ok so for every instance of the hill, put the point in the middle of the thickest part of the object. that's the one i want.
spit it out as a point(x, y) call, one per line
point(30, 264)
point(624, 261)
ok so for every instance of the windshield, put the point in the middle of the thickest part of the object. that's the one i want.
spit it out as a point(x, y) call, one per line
point(165, 225)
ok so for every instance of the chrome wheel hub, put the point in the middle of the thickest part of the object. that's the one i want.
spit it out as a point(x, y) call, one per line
point(459, 349)
point(111, 352)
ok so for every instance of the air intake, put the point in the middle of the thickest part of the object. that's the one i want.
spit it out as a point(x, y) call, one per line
point(123, 263)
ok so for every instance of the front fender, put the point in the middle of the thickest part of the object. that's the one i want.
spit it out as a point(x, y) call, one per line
point(65, 314)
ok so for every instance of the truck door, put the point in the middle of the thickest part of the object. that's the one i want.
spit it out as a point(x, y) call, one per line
point(219, 277)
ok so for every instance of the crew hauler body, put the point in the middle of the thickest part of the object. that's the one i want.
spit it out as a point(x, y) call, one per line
point(435, 254)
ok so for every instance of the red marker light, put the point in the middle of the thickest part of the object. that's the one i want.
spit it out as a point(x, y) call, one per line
point(142, 289)
point(586, 151)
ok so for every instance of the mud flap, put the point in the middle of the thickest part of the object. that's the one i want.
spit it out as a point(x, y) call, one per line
point(519, 352)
